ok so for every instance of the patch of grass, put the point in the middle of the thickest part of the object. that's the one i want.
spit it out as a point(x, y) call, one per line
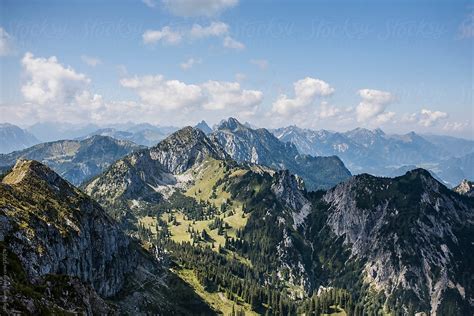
point(217, 300)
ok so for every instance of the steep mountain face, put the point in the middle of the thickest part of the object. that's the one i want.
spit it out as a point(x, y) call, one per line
point(465, 188)
point(203, 126)
point(408, 238)
point(14, 138)
point(363, 150)
point(259, 146)
point(59, 239)
point(145, 176)
point(76, 161)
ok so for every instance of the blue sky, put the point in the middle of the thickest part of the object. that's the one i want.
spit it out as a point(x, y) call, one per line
point(399, 65)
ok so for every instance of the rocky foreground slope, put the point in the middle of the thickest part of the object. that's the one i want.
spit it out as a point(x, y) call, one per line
point(66, 255)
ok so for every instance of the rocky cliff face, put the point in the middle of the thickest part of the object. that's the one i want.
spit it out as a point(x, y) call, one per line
point(413, 237)
point(64, 254)
point(75, 160)
point(259, 146)
point(465, 188)
point(55, 229)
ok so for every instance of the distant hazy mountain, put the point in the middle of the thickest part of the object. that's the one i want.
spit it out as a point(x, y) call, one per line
point(457, 147)
point(454, 170)
point(51, 131)
point(75, 160)
point(14, 138)
point(141, 134)
point(374, 152)
point(259, 146)
point(203, 126)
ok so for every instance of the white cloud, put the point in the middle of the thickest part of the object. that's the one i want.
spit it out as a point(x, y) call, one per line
point(214, 29)
point(6, 43)
point(165, 94)
point(198, 7)
point(260, 63)
point(91, 61)
point(373, 105)
point(306, 90)
point(51, 82)
point(429, 118)
point(149, 3)
point(188, 64)
point(210, 95)
point(223, 95)
point(328, 111)
point(166, 34)
point(385, 117)
point(172, 36)
point(229, 42)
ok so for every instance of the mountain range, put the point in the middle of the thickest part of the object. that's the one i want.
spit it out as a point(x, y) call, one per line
point(378, 153)
point(235, 221)
point(259, 146)
point(75, 160)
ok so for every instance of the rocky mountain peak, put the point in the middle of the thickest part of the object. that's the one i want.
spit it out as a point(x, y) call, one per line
point(231, 124)
point(184, 148)
point(203, 126)
point(466, 187)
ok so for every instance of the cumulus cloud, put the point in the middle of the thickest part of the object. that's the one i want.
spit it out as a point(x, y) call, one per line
point(210, 95)
point(91, 61)
point(373, 105)
point(229, 42)
point(260, 63)
point(306, 90)
point(6, 43)
point(49, 81)
point(214, 29)
point(167, 35)
point(172, 36)
point(166, 94)
point(429, 118)
point(188, 64)
point(223, 95)
point(189, 8)
point(328, 111)
point(426, 118)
